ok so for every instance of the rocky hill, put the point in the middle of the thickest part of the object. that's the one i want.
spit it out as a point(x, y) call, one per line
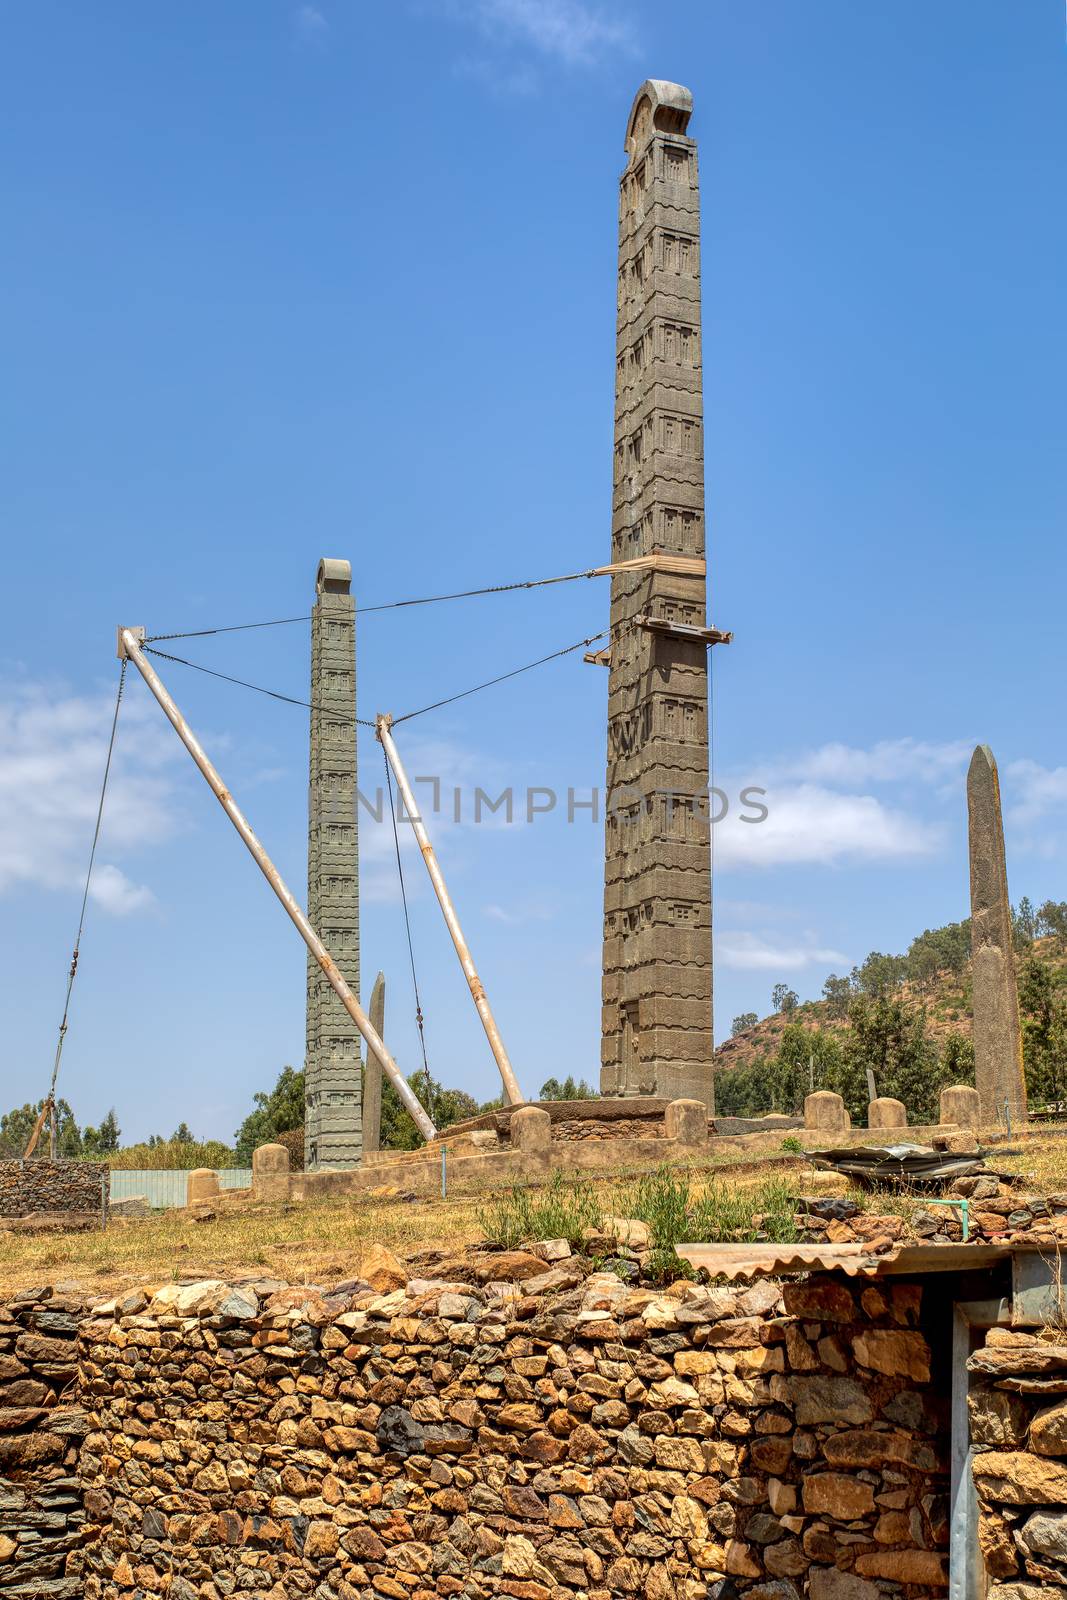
point(946, 997)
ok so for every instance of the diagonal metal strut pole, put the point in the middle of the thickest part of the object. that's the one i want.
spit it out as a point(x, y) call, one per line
point(129, 642)
point(383, 724)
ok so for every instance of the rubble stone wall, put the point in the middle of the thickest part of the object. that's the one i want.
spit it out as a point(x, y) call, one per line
point(577, 1128)
point(1018, 1406)
point(474, 1438)
point(41, 1517)
point(53, 1186)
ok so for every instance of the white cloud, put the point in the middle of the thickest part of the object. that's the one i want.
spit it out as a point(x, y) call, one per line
point(569, 30)
point(809, 823)
point(1036, 792)
point(888, 761)
point(571, 33)
point(752, 952)
point(52, 752)
point(310, 20)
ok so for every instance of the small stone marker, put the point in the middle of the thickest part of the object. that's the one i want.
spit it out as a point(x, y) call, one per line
point(824, 1112)
point(270, 1172)
point(960, 1104)
point(887, 1113)
point(998, 1048)
point(531, 1133)
point(203, 1185)
point(686, 1121)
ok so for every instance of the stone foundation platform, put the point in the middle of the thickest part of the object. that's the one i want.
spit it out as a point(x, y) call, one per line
point(526, 1144)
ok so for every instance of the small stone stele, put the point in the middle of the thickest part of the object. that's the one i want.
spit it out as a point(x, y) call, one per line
point(961, 1104)
point(887, 1113)
point(531, 1134)
point(270, 1172)
point(203, 1185)
point(825, 1112)
point(686, 1121)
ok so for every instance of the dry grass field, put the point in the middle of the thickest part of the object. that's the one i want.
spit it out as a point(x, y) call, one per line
point(321, 1242)
point(324, 1242)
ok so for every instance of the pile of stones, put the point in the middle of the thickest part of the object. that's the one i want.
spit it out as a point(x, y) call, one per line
point(995, 1215)
point(1018, 1406)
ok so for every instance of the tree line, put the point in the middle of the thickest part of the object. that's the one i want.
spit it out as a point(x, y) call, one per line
point(183, 1150)
point(281, 1110)
point(885, 1032)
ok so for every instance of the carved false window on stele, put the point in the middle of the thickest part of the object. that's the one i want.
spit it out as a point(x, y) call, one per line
point(678, 253)
point(337, 784)
point(673, 610)
point(342, 833)
point(680, 344)
point(680, 530)
point(681, 436)
point(345, 1048)
point(676, 165)
point(682, 719)
point(338, 886)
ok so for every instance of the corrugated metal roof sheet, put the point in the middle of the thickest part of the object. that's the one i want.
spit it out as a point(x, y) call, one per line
point(747, 1261)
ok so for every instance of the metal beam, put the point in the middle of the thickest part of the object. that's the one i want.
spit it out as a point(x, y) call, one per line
point(130, 647)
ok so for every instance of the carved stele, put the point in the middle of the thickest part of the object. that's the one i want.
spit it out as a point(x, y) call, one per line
point(372, 1074)
point(656, 1029)
point(998, 1048)
point(332, 1095)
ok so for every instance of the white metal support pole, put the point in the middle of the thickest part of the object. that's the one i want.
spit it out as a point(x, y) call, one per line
point(130, 641)
point(492, 1032)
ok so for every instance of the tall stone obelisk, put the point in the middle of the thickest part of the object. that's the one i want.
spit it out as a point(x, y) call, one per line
point(657, 994)
point(333, 1124)
point(998, 1049)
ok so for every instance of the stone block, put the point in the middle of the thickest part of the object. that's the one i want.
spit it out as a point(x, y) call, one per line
point(270, 1172)
point(960, 1104)
point(531, 1135)
point(203, 1185)
point(824, 1112)
point(887, 1113)
point(686, 1121)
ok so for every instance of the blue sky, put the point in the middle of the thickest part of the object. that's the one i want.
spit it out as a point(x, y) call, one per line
point(284, 281)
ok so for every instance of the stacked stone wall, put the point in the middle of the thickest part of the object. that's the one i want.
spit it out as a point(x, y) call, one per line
point(41, 1516)
point(1018, 1406)
point(579, 1128)
point(53, 1186)
point(475, 1439)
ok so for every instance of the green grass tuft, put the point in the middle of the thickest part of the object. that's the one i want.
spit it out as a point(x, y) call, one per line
point(561, 1210)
